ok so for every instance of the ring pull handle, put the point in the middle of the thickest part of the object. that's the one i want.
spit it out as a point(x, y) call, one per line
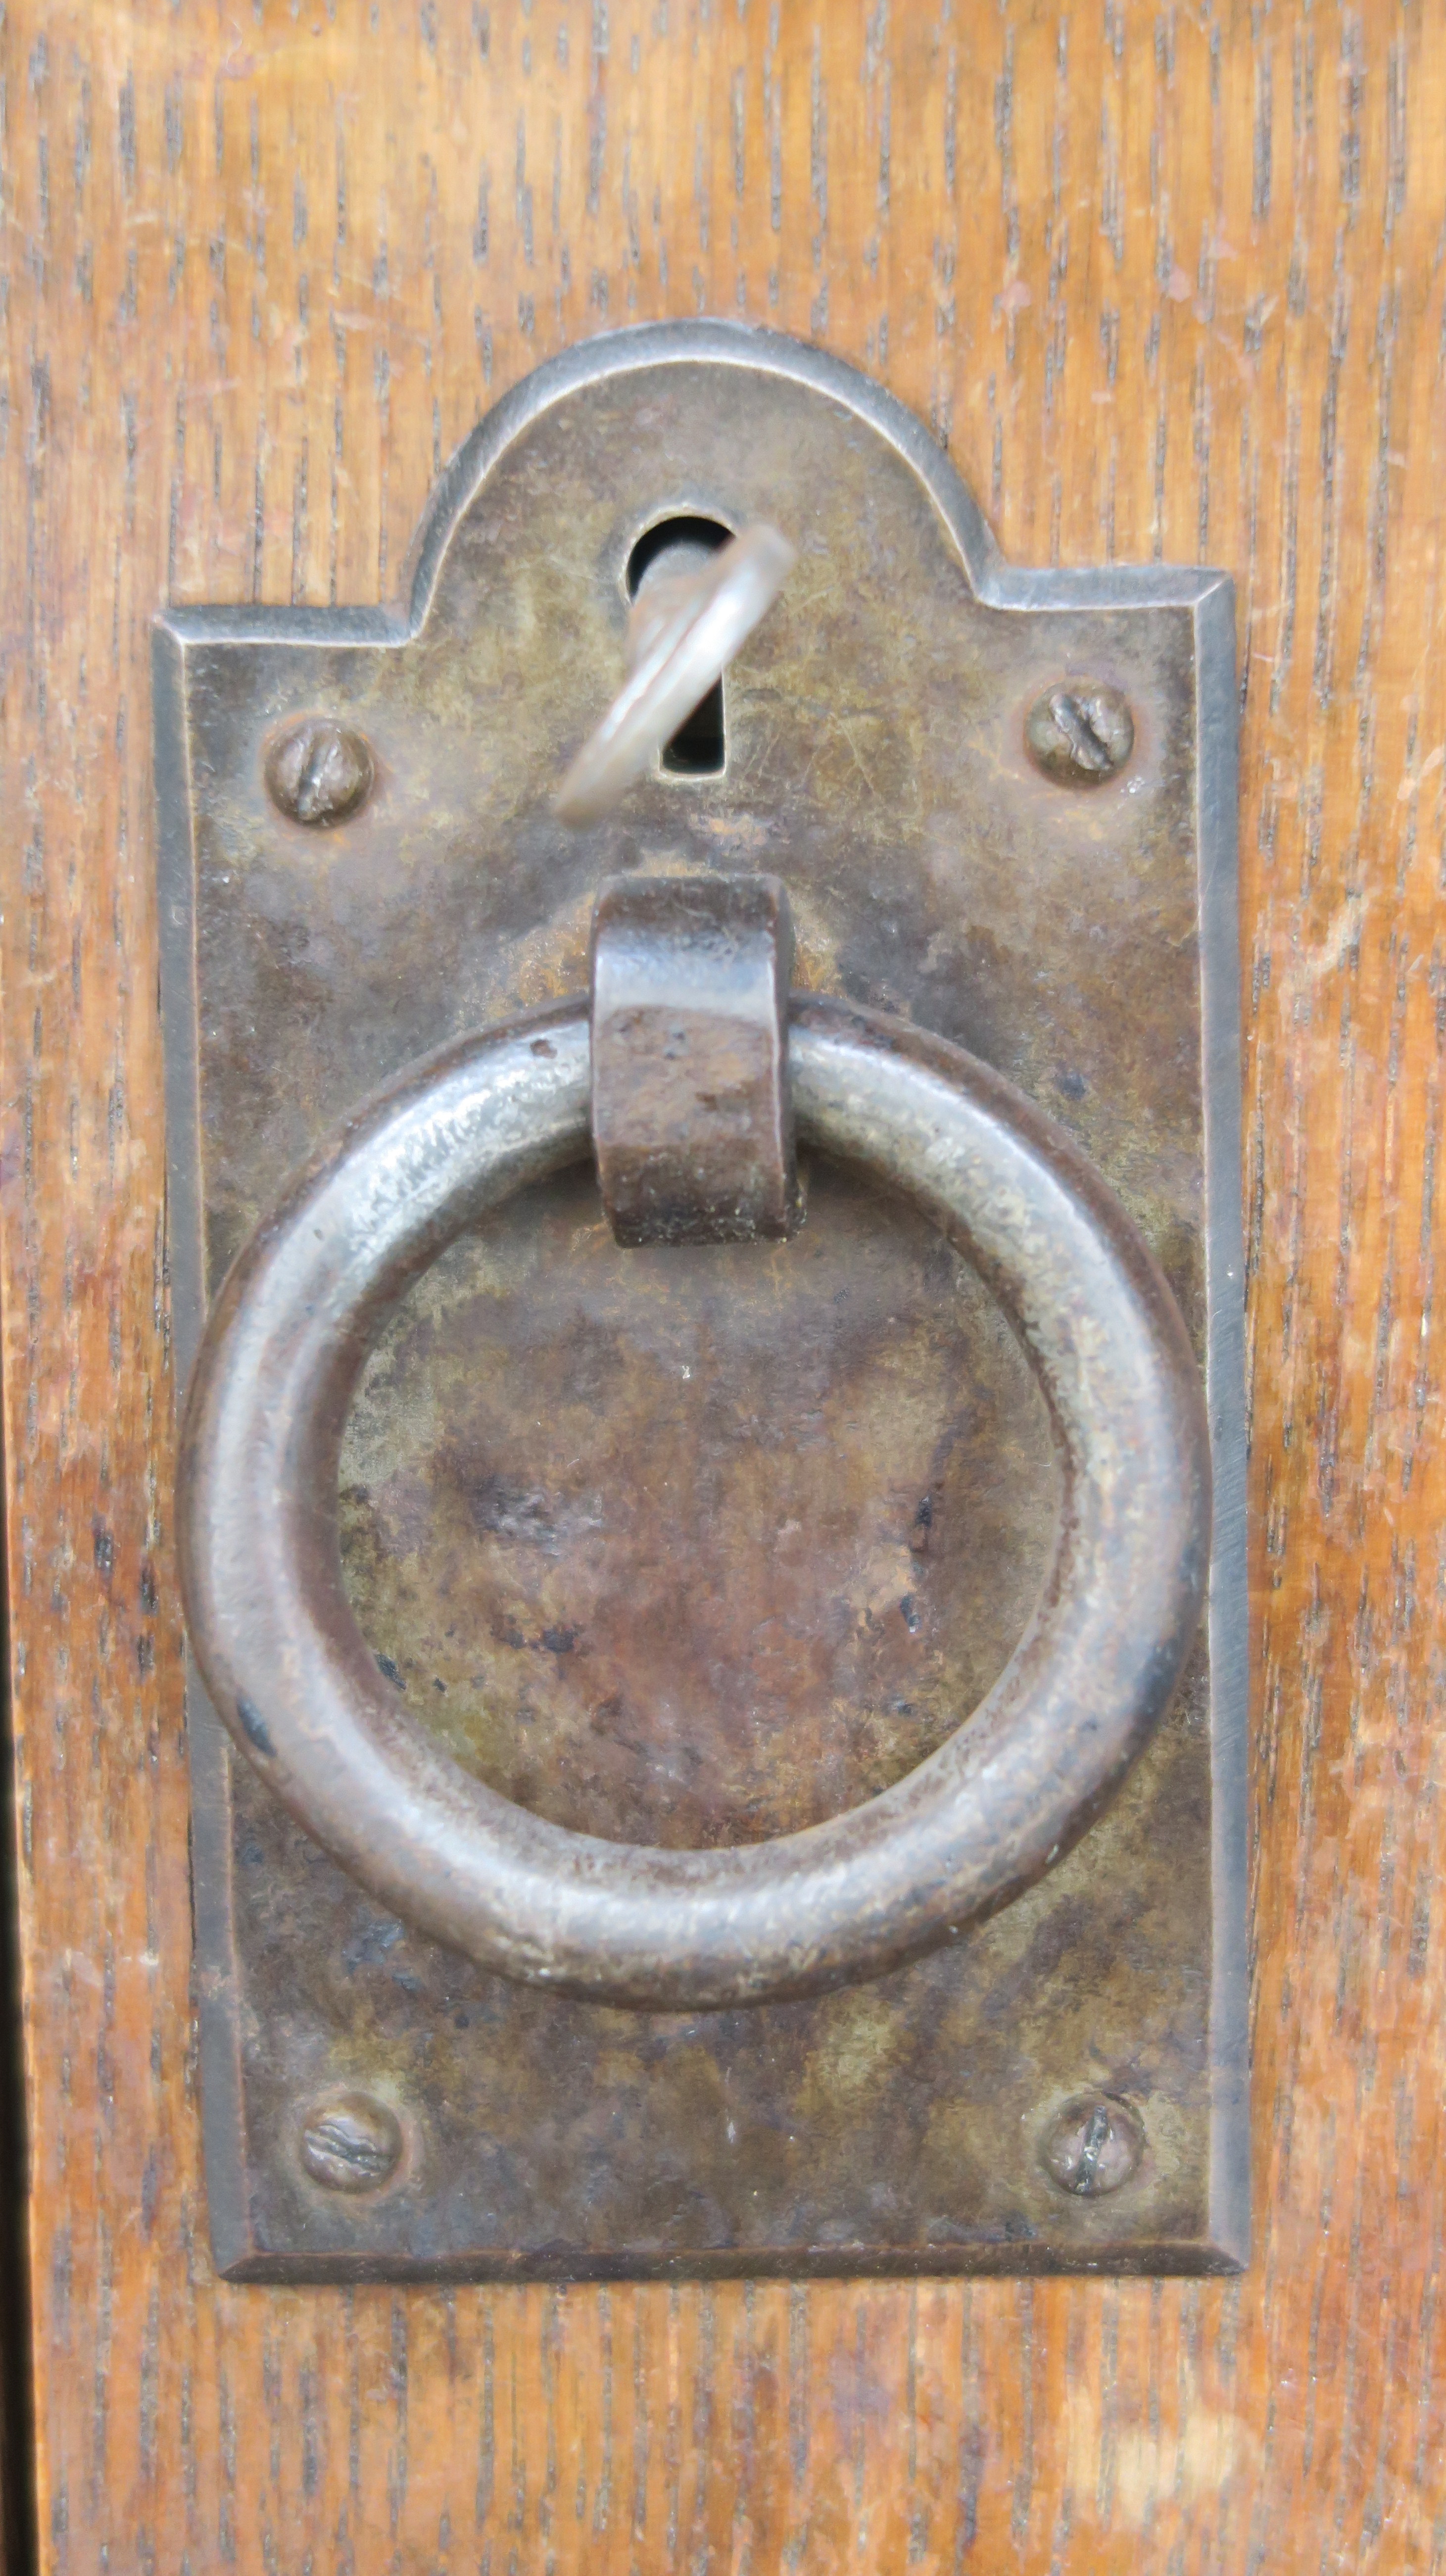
point(687, 1076)
point(683, 631)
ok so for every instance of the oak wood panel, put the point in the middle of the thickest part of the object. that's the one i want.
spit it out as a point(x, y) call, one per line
point(1168, 281)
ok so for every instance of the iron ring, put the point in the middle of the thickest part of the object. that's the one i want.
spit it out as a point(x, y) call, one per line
point(1014, 1786)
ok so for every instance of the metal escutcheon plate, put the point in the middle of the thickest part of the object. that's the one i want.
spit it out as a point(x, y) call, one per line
point(696, 1546)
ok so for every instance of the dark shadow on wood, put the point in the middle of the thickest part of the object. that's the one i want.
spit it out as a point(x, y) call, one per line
point(18, 2552)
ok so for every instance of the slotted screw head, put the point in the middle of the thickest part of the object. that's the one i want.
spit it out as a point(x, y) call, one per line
point(1080, 735)
point(351, 2143)
point(1093, 2145)
point(320, 771)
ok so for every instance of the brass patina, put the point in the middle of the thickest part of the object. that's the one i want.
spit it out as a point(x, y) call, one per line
point(697, 1545)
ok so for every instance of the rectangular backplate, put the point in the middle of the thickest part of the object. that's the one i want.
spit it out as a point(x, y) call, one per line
point(687, 1546)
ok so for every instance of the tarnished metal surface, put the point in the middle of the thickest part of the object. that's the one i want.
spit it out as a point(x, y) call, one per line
point(814, 1476)
point(692, 1120)
point(1013, 1786)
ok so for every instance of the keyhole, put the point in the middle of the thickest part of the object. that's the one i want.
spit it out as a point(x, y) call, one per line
point(699, 748)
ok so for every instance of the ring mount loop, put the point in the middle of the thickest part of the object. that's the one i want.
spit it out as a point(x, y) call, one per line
point(1014, 1786)
point(692, 1125)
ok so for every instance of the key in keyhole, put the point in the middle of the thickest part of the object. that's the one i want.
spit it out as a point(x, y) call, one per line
point(672, 551)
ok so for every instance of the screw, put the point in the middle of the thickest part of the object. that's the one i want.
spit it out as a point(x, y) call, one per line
point(351, 2143)
point(320, 772)
point(1093, 2145)
point(1080, 736)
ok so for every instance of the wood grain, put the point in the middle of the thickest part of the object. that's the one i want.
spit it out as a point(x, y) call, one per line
point(1169, 282)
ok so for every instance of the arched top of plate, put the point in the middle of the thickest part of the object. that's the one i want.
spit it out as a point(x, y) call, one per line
point(603, 366)
point(613, 356)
